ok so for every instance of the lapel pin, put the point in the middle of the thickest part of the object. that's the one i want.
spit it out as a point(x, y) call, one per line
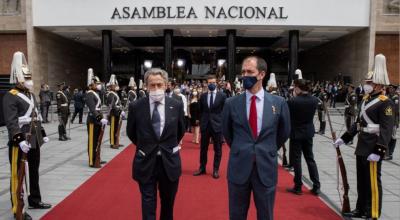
point(171, 107)
point(273, 109)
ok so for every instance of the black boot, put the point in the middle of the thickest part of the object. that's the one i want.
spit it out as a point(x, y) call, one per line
point(61, 133)
point(322, 127)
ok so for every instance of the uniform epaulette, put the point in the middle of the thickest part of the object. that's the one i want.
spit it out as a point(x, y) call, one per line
point(14, 91)
point(383, 97)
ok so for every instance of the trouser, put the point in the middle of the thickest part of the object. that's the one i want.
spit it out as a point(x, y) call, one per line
point(392, 143)
point(205, 141)
point(369, 186)
point(33, 157)
point(63, 121)
point(76, 112)
point(322, 121)
point(93, 136)
point(45, 111)
point(114, 134)
point(304, 146)
point(167, 190)
point(349, 121)
point(239, 198)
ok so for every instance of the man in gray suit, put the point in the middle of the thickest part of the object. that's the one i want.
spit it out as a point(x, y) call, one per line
point(255, 123)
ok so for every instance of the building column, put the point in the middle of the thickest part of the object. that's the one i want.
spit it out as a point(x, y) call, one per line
point(106, 49)
point(168, 34)
point(231, 55)
point(293, 53)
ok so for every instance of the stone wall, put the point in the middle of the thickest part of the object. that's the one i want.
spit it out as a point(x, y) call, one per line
point(12, 16)
point(387, 17)
point(348, 55)
point(388, 45)
point(10, 43)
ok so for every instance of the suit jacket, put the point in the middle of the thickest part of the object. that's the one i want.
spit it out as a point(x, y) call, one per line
point(212, 117)
point(274, 132)
point(140, 131)
point(302, 110)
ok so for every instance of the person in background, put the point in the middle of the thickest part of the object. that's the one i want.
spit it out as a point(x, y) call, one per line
point(45, 102)
point(79, 104)
point(194, 110)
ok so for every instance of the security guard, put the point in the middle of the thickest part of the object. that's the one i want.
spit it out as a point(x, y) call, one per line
point(374, 128)
point(395, 99)
point(322, 99)
point(115, 112)
point(25, 133)
point(95, 119)
point(63, 112)
point(350, 110)
point(132, 91)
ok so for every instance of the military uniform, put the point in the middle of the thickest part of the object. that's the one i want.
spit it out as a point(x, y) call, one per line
point(93, 102)
point(350, 110)
point(322, 98)
point(131, 96)
point(115, 109)
point(20, 108)
point(392, 143)
point(374, 128)
point(63, 113)
point(124, 98)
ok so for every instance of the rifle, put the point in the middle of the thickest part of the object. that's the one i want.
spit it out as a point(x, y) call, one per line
point(342, 167)
point(23, 171)
point(98, 147)
point(118, 130)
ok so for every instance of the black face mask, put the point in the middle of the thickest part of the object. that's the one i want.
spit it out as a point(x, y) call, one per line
point(168, 90)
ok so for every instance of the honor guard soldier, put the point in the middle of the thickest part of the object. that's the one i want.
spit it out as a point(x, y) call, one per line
point(132, 91)
point(26, 135)
point(395, 99)
point(374, 127)
point(142, 93)
point(115, 112)
point(63, 112)
point(95, 120)
point(350, 110)
point(322, 98)
point(124, 98)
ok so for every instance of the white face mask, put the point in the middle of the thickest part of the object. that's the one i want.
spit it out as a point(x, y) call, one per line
point(117, 88)
point(368, 88)
point(29, 85)
point(98, 87)
point(157, 95)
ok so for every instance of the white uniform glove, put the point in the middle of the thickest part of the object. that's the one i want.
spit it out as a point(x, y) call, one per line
point(123, 114)
point(338, 142)
point(104, 122)
point(46, 139)
point(25, 146)
point(374, 157)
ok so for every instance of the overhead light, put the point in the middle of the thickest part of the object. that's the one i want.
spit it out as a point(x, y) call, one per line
point(221, 62)
point(148, 64)
point(180, 62)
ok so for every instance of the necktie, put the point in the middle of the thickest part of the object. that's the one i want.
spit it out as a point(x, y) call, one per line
point(211, 99)
point(156, 120)
point(253, 116)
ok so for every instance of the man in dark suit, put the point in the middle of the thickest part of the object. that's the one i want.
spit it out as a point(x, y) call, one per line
point(79, 104)
point(156, 126)
point(255, 124)
point(302, 109)
point(211, 106)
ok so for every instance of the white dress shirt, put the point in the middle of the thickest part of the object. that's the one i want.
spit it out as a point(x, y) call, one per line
point(161, 111)
point(209, 96)
point(259, 106)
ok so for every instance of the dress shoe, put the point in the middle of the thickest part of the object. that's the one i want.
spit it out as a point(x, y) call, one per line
point(315, 191)
point(215, 174)
point(114, 146)
point(199, 172)
point(103, 162)
point(66, 137)
point(390, 157)
point(62, 138)
point(294, 190)
point(354, 214)
point(289, 168)
point(39, 205)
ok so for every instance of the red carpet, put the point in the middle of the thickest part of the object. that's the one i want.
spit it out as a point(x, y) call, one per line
point(112, 194)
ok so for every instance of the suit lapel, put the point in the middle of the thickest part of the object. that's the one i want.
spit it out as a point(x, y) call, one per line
point(243, 114)
point(168, 113)
point(267, 116)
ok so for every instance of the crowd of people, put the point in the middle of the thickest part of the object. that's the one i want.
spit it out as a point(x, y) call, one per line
point(252, 117)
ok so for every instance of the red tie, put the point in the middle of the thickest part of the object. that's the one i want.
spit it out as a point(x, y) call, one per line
point(253, 116)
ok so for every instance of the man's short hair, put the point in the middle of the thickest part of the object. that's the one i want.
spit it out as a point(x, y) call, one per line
point(211, 77)
point(154, 72)
point(261, 63)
